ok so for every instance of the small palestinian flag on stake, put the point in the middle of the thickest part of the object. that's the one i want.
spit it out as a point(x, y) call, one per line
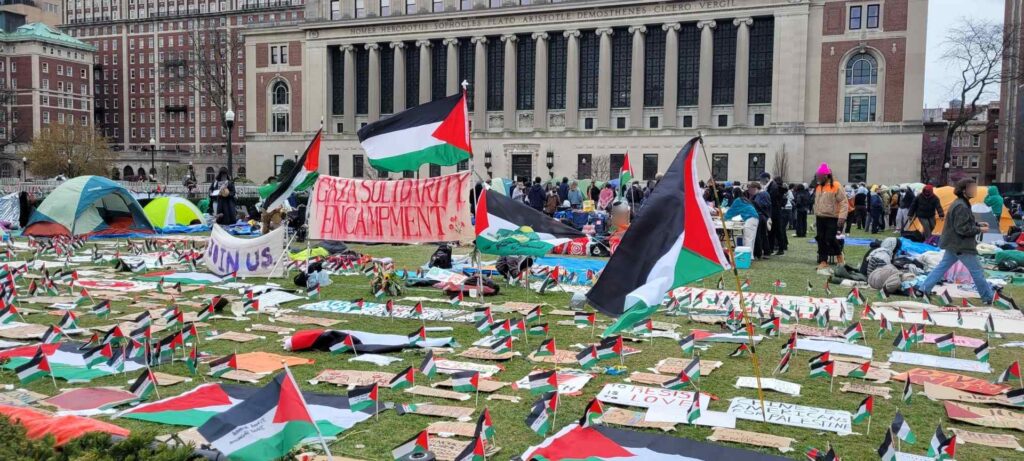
point(908, 391)
point(861, 370)
point(587, 358)
point(144, 385)
point(52, 335)
point(418, 444)
point(990, 325)
point(97, 355)
point(901, 429)
point(543, 382)
point(417, 336)
point(783, 366)
point(539, 419)
point(475, 451)
point(540, 329)
point(1012, 370)
point(347, 343)
point(362, 398)
point(404, 379)
point(37, 367)
point(102, 309)
point(193, 359)
point(688, 375)
point(740, 350)
point(854, 332)
point(546, 349)
point(887, 451)
point(584, 318)
point(610, 347)
point(1016, 397)
point(865, 409)
point(945, 343)
point(68, 321)
point(466, 381)
point(592, 413)
point(428, 366)
point(485, 426)
point(1003, 302)
point(693, 413)
point(982, 352)
point(223, 365)
point(823, 369)
point(687, 344)
point(941, 447)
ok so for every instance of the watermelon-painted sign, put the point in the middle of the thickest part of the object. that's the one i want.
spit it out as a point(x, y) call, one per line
point(226, 254)
point(402, 211)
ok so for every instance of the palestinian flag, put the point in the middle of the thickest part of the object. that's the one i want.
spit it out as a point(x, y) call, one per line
point(982, 352)
point(223, 365)
point(609, 347)
point(417, 336)
point(346, 344)
point(688, 375)
point(362, 398)
point(97, 355)
point(740, 350)
point(505, 227)
point(114, 333)
point(783, 366)
point(687, 343)
point(473, 452)
point(854, 332)
point(265, 426)
point(883, 326)
point(429, 367)
point(908, 391)
point(466, 381)
point(790, 344)
point(1012, 370)
point(855, 298)
point(502, 345)
point(534, 315)
point(1003, 302)
point(587, 358)
point(990, 325)
point(142, 333)
point(371, 343)
point(693, 413)
point(902, 340)
point(68, 321)
point(52, 335)
point(300, 178)
point(546, 349)
point(484, 325)
point(7, 314)
point(945, 343)
point(655, 254)
point(539, 419)
point(1016, 397)
point(927, 316)
point(592, 413)
point(887, 451)
point(823, 369)
point(483, 313)
point(861, 370)
point(205, 313)
point(193, 359)
point(540, 329)
point(941, 447)
point(34, 369)
point(404, 379)
point(865, 410)
point(543, 382)
point(143, 385)
point(584, 318)
point(868, 312)
point(771, 325)
point(625, 173)
point(143, 319)
point(485, 426)
point(250, 306)
point(959, 317)
point(901, 429)
point(436, 133)
point(947, 300)
point(822, 357)
point(102, 309)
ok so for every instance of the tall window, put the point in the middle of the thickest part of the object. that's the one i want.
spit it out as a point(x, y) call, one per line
point(357, 166)
point(335, 12)
point(387, 79)
point(689, 65)
point(410, 6)
point(856, 17)
point(556, 70)
point(615, 162)
point(438, 6)
point(861, 89)
point(362, 79)
point(755, 166)
point(385, 7)
point(873, 12)
point(434, 170)
point(360, 6)
point(412, 74)
point(584, 166)
point(334, 165)
point(337, 80)
point(858, 167)
point(654, 67)
point(650, 170)
point(720, 167)
point(438, 69)
point(723, 69)
point(590, 54)
point(465, 5)
point(622, 62)
point(525, 58)
point(280, 107)
point(495, 73)
point(762, 46)
point(467, 67)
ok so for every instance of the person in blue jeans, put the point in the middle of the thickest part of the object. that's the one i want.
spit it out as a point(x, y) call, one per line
point(959, 241)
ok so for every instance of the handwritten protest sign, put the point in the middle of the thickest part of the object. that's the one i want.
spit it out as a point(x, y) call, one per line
point(756, 439)
point(624, 417)
point(260, 256)
point(403, 211)
point(937, 392)
point(987, 439)
point(866, 389)
point(936, 361)
point(776, 385)
point(788, 414)
point(920, 376)
point(429, 409)
point(988, 417)
point(569, 381)
point(645, 397)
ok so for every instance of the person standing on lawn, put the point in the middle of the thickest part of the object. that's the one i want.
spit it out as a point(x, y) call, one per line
point(924, 208)
point(801, 202)
point(830, 211)
point(742, 207)
point(959, 240)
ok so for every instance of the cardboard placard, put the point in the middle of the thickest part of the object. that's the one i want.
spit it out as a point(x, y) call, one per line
point(834, 347)
point(479, 353)
point(645, 397)
point(773, 384)
point(20, 397)
point(988, 417)
point(271, 328)
point(937, 392)
point(24, 331)
point(674, 366)
point(866, 389)
point(352, 377)
point(449, 367)
point(306, 320)
point(243, 376)
point(757, 439)
point(623, 417)
point(446, 449)
point(452, 428)
point(640, 377)
point(164, 379)
point(920, 376)
point(561, 357)
point(938, 361)
point(236, 336)
point(439, 393)
point(877, 375)
point(486, 385)
point(808, 330)
point(987, 439)
point(503, 397)
point(788, 414)
point(444, 411)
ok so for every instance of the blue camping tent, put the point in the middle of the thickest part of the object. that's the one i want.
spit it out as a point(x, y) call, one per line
point(88, 205)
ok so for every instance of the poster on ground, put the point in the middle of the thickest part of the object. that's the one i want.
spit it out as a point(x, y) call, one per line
point(226, 254)
point(402, 211)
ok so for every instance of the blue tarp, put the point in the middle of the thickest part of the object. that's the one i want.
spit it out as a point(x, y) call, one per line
point(178, 229)
point(913, 248)
point(852, 241)
point(578, 265)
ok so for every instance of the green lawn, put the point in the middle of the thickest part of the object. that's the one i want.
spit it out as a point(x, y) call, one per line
point(374, 439)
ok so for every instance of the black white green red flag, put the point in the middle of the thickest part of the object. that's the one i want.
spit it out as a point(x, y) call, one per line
point(436, 133)
point(300, 178)
point(670, 244)
point(505, 227)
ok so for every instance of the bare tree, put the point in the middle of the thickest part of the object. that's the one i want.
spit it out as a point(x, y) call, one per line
point(781, 164)
point(600, 167)
point(977, 49)
point(208, 69)
point(69, 149)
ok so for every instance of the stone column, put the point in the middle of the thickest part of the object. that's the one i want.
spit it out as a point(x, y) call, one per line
point(636, 79)
point(740, 96)
point(669, 108)
point(572, 79)
point(425, 70)
point(349, 50)
point(480, 84)
point(452, 69)
point(604, 79)
point(373, 80)
point(399, 74)
point(707, 52)
point(540, 81)
point(509, 102)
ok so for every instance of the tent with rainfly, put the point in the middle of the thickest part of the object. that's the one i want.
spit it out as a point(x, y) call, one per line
point(170, 211)
point(88, 205)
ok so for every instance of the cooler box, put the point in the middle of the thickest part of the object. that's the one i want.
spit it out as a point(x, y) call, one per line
point(743, 257)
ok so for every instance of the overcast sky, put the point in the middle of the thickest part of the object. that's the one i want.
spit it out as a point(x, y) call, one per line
point(943, 14)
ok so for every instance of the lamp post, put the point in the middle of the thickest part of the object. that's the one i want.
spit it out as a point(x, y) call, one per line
point(152, 155)
point(551, 164)
point(69, 169)
point(167, 172)
point(24, 168)
point(229, 122)
point(191, 172)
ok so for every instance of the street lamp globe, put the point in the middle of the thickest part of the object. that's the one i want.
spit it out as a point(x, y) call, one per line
point(229, 116)
point(152, 142)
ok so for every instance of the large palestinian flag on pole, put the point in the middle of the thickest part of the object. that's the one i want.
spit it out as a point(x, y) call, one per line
point(302, 176)
point(436, 132)
point(602, 442)
point(505, 227)
point(671, 243)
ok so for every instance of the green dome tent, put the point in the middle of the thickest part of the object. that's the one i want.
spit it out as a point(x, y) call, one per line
point(88, 205)
point(171, 211)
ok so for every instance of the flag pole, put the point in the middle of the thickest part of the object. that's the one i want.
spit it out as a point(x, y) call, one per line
point(302, 398)
point(739, 290)
point(869, 422)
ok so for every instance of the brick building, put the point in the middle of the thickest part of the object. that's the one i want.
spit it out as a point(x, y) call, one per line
point(975, 146)
point(568, 88)
point(149, 57)
point(45, 78)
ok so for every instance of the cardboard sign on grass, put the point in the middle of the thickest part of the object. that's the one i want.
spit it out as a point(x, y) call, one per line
point(789, 414)
point(429, 409)
point(920, 376)
point(352, 377)
point(987, 439)
point(937, 361)
point(937, 392)
point(988, 417)
point(623, 417)
point(866, 389)
point(776, 385)
point(757, 439)
point(674, 366)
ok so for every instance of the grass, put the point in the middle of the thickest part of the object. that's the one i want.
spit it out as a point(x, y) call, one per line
point(374, 439)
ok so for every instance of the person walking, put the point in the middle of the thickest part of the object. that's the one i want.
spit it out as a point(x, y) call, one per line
point(903, 214)
point(830, 211)
point(877, 209)
point(536, 196)
point(777, 240)
point(959, 240)
point(801, 203)
point(741, 206)
point(925, 207)
point(563, 190)
point(763, 204)
point(894, 207)
point(222, 196)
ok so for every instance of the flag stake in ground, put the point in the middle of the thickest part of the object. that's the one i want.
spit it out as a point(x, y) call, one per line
point(319, 435)
point(730, 249)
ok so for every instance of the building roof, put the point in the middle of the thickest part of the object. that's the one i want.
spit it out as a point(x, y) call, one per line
point(40, 32)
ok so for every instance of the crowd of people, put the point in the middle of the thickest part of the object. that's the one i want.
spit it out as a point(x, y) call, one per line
point(550, 197)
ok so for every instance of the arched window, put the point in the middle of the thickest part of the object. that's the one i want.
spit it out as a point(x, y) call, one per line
point(5, 170)
point(280, 107)
point(128, 172)
point(152, 172)
point(115, 174)
point(210, 174)
point(860, 100)
point(142, 172)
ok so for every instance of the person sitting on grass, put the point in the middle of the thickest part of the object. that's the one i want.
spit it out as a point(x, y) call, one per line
point(741, 206)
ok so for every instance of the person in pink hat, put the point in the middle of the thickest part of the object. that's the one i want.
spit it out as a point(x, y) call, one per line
point(830, 210)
